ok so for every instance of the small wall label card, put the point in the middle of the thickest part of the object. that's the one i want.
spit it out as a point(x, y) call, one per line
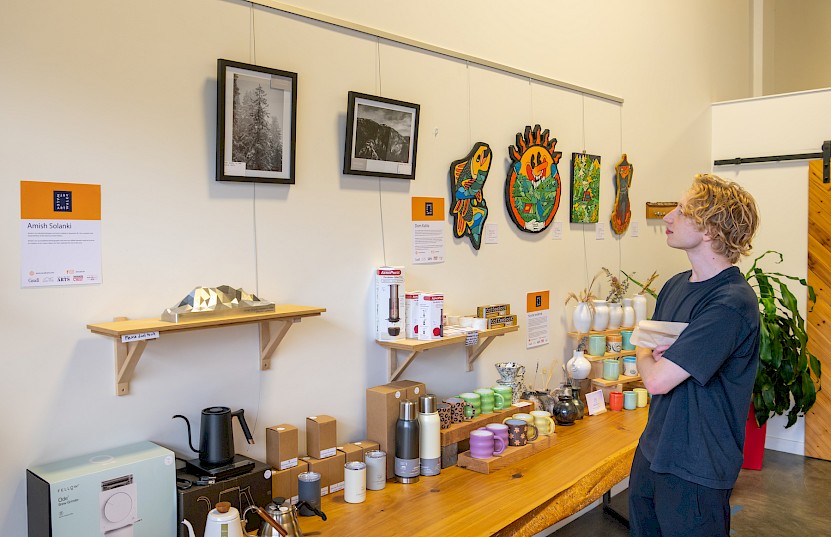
point(60, 234)
point(428, 230)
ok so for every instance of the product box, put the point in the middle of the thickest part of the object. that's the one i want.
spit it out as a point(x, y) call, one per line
point(352, 453)
point(367, 446)
point(130, 490)
point(411, 316)
point(334, 471)
point(194, 503)
point(320, 466)
point(321, 436)
point(281, 446)
point(412, 389)
point(499, 322)
point(382, 409)
point(430, 311)
point(389, 303)
point(493, 310)
point(284, 482)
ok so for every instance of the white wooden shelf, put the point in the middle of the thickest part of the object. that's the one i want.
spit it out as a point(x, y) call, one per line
point(273, 328)
point(414, 347)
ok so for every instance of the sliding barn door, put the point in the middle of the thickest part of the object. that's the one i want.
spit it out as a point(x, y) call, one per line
point(818, 419)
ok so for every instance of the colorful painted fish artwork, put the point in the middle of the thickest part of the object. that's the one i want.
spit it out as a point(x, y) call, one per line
point(585, 188)
point(467, 205)
point(621, 211)
point(532, 188)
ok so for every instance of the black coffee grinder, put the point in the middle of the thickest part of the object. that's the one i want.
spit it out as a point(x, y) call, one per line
point(216, 445)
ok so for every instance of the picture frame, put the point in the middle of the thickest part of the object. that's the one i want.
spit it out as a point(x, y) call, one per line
point(256, 123)
point(381, 137)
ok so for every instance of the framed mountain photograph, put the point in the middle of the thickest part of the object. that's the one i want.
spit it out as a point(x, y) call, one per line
point(381, 137)
point(256, 123)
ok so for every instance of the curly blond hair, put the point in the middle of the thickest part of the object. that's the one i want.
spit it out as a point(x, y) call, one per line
point(726, 212)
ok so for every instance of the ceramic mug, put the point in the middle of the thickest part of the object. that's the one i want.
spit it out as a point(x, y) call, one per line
point(457, 409)
point(630, 400)
point(484, 445)
point(597, 345)
point(616, 401)
point(630, 366)
point(611, 369)
point(474, 400)
point(518, 432)
point(527, 418)
point(625, 336)
point(642, 396)
point(499, 430)
point(506, 394)
point(445, 411)
point(543, 422)
point(614, 343)
point(487, 399)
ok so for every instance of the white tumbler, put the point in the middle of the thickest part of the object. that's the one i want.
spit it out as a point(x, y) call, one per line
point(376, 470)
point(354, 482)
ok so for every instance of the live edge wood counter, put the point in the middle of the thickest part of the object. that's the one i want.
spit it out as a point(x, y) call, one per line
point(585, 460)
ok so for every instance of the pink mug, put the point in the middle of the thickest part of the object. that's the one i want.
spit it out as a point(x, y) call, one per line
point(484, 445)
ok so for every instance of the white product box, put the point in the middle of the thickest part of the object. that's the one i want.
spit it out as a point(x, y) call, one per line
point(389, 303)
point(412, 317)
point(431, 310)
point(129, 490)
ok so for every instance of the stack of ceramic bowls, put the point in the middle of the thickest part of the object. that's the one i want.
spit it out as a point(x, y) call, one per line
point(511, 374)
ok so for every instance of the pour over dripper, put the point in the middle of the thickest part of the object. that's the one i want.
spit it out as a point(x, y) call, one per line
point(510, 372)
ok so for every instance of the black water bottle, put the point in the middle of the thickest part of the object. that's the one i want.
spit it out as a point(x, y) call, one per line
point(407, 462)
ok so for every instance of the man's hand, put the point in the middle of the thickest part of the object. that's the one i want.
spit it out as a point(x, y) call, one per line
point(658, 352)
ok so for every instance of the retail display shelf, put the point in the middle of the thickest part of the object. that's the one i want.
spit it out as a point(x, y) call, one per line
point(131, 335)
point(414, 347)
point(461, 431)
point(609, 355)
point(612, 332)
point(623, 379)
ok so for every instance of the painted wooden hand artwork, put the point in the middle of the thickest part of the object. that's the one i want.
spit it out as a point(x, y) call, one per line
point(467, 206)
point(622, 211)
point(585, 188)
point(533, 186)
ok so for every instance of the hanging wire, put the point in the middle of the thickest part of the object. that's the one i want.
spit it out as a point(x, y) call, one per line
point(585, 248)
point(469, 115)
point(380, 199)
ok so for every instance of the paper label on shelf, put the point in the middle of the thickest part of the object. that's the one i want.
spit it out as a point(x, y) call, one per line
point(326, 453)
point(127, 338)
point(595, 403)
point(471, 337)
point(290, 463)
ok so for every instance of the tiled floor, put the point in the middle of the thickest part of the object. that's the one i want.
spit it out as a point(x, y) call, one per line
point(788, 497)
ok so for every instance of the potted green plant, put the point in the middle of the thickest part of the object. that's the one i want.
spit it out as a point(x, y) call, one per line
point(786, 369)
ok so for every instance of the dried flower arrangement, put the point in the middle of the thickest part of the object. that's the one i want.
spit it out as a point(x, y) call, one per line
point(617, 287)
point(585, 295)
point(644, 286)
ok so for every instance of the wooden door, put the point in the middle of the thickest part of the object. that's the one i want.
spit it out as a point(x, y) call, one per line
point(818, 419)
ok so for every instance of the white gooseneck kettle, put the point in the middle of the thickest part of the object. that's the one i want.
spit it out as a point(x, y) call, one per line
point(224, 521)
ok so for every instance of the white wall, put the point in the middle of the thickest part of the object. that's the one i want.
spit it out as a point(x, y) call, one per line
point(123, 95)
point(776, 125)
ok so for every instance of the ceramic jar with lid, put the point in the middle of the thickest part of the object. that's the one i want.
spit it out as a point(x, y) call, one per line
point(565, 411)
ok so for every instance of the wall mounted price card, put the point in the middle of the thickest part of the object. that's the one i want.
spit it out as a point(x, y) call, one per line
point(127, 338)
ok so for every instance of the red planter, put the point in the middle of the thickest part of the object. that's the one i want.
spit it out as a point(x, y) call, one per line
point(754, 442)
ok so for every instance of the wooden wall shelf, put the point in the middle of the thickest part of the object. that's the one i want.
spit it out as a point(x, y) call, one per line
point(128, 353)
point(414, 347)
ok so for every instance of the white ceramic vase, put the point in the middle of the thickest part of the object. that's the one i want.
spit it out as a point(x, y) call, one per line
point(628, 314)
point(582, 317)
point(601, 315)
point(579, 367)
point(615, 315)
point(639, 303)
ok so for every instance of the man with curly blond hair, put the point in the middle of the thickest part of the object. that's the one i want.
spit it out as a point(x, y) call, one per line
point(690, 453)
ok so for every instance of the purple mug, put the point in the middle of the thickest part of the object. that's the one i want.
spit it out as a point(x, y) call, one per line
point(484, 445)
point(499, 430)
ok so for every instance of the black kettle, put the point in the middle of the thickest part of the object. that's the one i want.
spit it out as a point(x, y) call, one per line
point(216, 436)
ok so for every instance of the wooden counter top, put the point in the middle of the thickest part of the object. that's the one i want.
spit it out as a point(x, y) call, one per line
point(585, 460)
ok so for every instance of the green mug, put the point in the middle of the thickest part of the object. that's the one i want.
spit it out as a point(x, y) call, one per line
point(506, 392)
point(474, 408)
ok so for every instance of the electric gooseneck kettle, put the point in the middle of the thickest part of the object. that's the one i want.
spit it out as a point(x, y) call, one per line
point(216, 436)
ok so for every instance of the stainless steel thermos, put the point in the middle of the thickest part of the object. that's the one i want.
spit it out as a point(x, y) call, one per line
point(429, 435)
point(407, 463)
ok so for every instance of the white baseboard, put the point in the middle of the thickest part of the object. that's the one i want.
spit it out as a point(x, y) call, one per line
point(785, 445)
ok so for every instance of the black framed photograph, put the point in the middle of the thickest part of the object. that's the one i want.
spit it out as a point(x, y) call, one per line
point(256, 123)
point(381, 137)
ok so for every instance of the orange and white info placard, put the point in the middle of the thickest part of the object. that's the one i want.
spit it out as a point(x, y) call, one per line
point(428, 230)
point(537, 306)
point(60, 234)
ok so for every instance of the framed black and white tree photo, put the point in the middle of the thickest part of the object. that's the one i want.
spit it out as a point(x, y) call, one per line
point(256, 123)
point(381, 137)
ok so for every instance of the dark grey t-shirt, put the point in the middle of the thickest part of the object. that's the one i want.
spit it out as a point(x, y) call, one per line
point(696, 431)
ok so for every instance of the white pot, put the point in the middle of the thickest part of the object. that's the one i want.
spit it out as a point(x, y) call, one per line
point(628, 314)
point(639, 303)
point(578, 367)
point(582, 317)
point(601, 315)
point(615, 315)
